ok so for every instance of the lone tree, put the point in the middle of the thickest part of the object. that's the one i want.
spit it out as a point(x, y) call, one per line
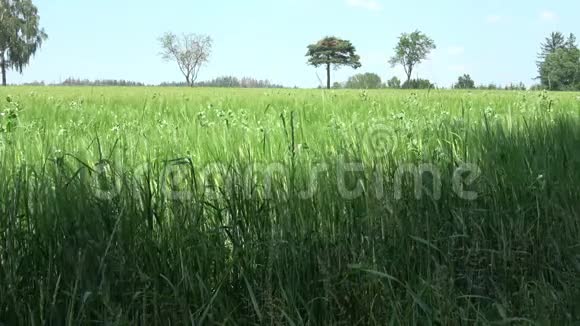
point(20, 34)
point(464, 82)
point(332, 51)
point(190, 52)
point(411, 50)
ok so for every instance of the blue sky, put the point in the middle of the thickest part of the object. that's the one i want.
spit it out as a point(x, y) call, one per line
point(493, 40)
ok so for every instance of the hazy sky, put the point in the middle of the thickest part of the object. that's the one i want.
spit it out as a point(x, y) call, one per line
point(493, 40)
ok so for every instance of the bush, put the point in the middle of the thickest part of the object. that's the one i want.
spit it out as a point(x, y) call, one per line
point(516, 87)
point(418, 84)
point(489, 87)
point(394, 83)
point(364, 81)
point(464, 82)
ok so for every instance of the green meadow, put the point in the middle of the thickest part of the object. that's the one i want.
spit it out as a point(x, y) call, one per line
point(174, 206)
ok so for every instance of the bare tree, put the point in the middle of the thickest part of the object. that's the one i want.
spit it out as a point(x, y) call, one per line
point(190, 52)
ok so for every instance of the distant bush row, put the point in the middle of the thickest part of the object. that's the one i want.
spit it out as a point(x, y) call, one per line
point(226, 81)
point(229, 81)
point(359, 81)
point(373, 81)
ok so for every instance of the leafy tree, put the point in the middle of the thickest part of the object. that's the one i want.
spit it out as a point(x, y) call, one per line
point(394, 83)
point(464, 82)
point(551, 44)
point(561, 70)
point(332, 51)
point(20, 34)
point(571, 42)
point(555, 41)
point(411, 50)
point(418, 84)
point(190, 53)
point(364, 81)
point(559, 62)
point(337, 85)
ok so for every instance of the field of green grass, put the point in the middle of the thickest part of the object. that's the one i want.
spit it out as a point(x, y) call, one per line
point(167, 206)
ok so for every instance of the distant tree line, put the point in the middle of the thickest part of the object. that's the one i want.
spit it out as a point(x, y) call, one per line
point(228, 81)
point(359, 81)
point(104, 82)
point(245, 82)
point(34, 83)
point(373, 81)
point(466, 82)
point(510, 87)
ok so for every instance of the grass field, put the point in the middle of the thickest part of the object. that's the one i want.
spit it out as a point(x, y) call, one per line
point(153, 206)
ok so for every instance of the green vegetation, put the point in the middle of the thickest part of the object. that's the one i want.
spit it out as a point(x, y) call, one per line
point(465, 82)
point(20, 35)
point(364, 81)
point(418, 84)
point(332, 52)
point(559, 64)
point(161, 206)
point(206, 206)
point(411, 50)
point(394, 83)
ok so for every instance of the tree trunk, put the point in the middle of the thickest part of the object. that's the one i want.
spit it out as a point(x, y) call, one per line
point(409, 72)
point(328, 75)
point(3, 67)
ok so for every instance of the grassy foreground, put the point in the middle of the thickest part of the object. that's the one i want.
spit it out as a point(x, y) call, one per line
point(150, 206)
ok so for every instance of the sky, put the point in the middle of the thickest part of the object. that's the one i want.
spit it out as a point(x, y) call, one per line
point(492, 40)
